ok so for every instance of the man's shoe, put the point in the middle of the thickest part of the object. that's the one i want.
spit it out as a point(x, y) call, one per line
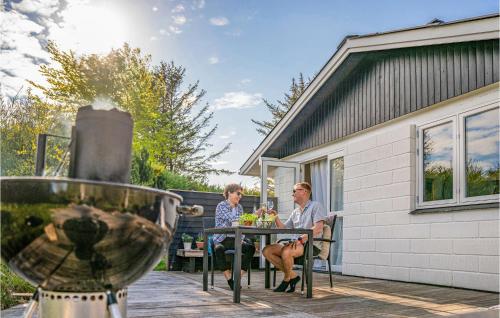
point(282, 287)
point(293, 283)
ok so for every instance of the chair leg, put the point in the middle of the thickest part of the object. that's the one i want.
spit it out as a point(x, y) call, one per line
point(212, 272)
point(274, 276)
point(330, 272)
point(249, 271)
point(304, 277)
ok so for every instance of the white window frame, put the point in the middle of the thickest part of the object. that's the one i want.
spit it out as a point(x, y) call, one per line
point(332, 156)
point(458, 163)
point(463, 177)
point(420, 164)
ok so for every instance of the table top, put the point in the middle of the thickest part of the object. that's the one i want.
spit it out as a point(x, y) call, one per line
point(256, 230)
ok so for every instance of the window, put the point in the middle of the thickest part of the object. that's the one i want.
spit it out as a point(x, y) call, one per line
point(459, 167)
point(481, 151)
point(438, 162)
point(337, 184)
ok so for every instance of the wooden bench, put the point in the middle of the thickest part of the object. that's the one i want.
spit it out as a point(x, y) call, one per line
point(190, 256)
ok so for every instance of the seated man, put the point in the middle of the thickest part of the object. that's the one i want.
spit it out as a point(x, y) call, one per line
point(309, 214)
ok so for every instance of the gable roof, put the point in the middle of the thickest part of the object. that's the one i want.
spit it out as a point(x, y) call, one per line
point(433, 33)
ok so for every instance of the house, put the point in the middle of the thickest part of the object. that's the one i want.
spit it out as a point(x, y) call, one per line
point(399, 136)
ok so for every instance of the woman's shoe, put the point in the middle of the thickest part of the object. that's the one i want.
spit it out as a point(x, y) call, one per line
point(282, 287)
point(230, 282)
point(293, 283)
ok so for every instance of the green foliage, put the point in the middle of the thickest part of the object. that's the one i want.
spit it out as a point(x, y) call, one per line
point(186, 238)
point(279, 110)
point(21, 120)
point(438, 183)
point(11, 283)
point(481, 181)
point(199, 238)
point(248, 217)
point(168, 121)
point(162, 266)
point(180, 133)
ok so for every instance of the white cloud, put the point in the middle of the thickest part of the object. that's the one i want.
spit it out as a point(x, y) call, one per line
point(20, 51)
point(198, 4)
point(229, 135)
point(179, 19)
point(163, 31)
point(245, 81)
point(40, 7)
point(239, 100)
point(178, 8)
point(219, 21)
point(213, 60)
point(72, 24)
point(154, 9)
point(153, 38)
point(174, 29)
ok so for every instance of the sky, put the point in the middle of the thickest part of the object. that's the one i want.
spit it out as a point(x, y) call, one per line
point(240, 51)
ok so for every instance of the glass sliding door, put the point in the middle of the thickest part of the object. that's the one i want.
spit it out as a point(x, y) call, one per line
point(277, 180)
point(336, 204)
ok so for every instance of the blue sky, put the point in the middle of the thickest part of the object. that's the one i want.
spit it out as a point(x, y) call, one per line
point(240, 51)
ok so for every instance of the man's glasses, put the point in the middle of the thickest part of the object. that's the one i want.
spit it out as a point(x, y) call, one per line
point(299, 189)
point(239, 194)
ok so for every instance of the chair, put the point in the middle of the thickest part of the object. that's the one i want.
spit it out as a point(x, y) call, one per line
point(209, 222)
point(327, 242)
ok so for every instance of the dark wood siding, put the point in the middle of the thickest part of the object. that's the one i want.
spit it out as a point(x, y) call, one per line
point(388, 84)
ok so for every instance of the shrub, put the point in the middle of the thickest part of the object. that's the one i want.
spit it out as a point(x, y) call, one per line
point(11, 283)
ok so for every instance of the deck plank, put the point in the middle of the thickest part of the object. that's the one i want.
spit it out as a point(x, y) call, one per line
point(178, 294)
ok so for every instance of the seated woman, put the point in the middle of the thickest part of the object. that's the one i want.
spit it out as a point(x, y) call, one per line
point(226, 212)
point(308, 214)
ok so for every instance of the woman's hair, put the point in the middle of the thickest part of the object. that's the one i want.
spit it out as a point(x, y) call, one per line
point(304, 185)
point(230, 188)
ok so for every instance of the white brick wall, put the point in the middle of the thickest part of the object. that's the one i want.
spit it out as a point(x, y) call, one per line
point(454, 248)
point(381, 238)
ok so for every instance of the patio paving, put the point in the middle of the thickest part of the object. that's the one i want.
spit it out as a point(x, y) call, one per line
point(178, 294)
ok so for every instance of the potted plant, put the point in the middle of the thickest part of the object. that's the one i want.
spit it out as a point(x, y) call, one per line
point(199, 242)
point(248, 219)
point(187, 240)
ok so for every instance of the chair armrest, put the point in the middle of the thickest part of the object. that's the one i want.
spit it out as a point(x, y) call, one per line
point(284, 240)
point(323, 240)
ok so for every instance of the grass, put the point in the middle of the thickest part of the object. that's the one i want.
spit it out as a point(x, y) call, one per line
point(11, 283)
point(162, 265)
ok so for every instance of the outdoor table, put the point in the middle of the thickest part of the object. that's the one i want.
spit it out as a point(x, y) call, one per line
point(237, 231)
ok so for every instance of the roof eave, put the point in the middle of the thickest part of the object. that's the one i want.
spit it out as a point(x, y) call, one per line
point(480, 28)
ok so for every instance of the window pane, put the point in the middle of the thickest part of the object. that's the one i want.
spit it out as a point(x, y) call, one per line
point(337, 184)
point(481, 154)
point(438, 162)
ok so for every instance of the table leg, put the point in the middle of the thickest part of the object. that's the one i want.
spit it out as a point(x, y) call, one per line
point(267, 281)
point(237, 267)
point(309, 266)
point(205, 262)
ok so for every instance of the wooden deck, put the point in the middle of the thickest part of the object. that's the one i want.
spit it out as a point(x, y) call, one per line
point(177, 294)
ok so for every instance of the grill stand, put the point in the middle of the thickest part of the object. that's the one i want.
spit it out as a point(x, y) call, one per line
point(79, 305)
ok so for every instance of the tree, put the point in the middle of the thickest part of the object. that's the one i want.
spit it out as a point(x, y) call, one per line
point(165, 121)
point(179, 130)
point(22, 118)
point(279, 110)
point(123, 76)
